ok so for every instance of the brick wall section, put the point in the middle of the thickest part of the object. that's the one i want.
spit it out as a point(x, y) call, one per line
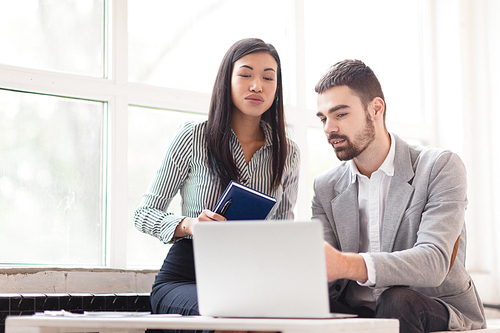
point(27, 304)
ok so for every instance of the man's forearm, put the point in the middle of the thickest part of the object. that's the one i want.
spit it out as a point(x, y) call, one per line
point(355, 267)
point(342, 265)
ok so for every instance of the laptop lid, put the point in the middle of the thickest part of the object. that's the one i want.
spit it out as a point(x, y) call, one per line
point(261, 269)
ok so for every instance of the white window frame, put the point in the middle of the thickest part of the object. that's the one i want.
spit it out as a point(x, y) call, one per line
point(118, 93)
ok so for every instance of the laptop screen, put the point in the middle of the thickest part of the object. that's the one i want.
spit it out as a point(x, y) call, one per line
point(261, 269)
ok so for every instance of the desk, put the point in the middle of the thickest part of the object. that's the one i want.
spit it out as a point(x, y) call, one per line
point(48, 324)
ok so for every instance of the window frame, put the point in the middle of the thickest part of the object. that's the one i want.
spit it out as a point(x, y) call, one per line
point(118, 94)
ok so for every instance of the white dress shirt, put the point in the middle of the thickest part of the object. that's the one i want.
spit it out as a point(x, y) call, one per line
point(372, 196)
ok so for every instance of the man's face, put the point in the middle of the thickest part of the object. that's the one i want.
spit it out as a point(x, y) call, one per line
point(347, 125)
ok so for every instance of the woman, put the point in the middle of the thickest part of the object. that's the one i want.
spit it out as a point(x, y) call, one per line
point(243, 140)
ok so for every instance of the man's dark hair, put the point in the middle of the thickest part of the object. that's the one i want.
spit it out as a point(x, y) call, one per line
point(357, 76)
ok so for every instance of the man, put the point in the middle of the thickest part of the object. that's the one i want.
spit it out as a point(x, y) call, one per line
point(393, 215)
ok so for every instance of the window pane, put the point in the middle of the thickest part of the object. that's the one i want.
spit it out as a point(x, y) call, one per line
point(150, 132)
point(59, 35)
point(320, 156)
point(180, 44)
point(50, 180)
point(390, 46)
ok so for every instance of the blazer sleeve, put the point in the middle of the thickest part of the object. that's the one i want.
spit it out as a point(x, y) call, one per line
point(438, 212)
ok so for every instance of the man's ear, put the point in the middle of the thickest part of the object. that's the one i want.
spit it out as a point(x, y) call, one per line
point(378, 107)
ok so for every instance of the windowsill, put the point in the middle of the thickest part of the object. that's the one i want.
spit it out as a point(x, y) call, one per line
point(75, 280)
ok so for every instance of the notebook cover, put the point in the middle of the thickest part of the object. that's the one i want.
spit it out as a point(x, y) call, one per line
point(239, 202)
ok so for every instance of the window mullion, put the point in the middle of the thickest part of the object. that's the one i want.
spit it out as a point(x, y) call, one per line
point(116, 202)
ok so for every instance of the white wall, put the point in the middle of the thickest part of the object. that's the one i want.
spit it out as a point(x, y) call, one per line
point(463, 98)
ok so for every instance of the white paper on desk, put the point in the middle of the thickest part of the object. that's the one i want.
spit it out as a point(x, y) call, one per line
point(57, 313)
point(111, 314)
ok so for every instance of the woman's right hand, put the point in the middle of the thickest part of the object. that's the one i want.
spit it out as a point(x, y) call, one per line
point(185, 228)
point(208, 215)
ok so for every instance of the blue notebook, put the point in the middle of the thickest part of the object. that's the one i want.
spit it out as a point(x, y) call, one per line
point(239, 202)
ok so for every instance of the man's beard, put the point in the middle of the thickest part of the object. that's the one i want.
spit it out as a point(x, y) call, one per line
point(352, 149)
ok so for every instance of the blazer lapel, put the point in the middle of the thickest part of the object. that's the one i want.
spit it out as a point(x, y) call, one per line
point(400, 193)
point(346, 214)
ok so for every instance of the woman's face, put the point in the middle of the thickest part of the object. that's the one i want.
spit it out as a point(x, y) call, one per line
point(253, 83)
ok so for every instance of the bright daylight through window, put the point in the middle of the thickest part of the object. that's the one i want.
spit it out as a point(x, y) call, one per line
point(78, 149)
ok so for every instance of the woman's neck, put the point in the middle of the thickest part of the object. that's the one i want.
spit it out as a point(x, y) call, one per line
point(247, 129)
point(249, 134)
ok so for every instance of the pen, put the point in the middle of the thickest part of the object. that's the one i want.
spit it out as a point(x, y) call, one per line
point(226, 207)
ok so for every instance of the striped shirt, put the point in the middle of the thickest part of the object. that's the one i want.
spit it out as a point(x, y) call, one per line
point(184, 169)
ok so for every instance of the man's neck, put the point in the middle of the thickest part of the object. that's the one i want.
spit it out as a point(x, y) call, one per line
point(374, 155)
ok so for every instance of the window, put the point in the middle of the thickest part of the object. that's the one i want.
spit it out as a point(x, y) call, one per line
point(181, 44)
point(149, 134)
point(334, 31)
point(53, 139)
point(390, 47)
point(63, 36)
point(52, 182)
point(102, 137)
point(79, 146)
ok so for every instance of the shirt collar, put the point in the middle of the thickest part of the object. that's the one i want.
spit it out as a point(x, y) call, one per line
point(387, 166)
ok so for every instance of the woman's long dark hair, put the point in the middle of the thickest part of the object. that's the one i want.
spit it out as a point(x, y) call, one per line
point(220, 160)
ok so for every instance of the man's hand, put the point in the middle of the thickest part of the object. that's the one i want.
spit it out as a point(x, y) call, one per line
point(340, 265)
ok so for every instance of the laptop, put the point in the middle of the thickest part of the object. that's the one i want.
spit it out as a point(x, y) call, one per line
point(261, 269)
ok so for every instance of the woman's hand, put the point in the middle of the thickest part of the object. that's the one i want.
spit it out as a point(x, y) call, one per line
point(185, 228)
point(208, 215)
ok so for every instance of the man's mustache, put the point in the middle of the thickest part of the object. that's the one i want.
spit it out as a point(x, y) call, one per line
point(332, 136)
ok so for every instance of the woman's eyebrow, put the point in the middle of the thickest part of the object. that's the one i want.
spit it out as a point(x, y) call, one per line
point(251, 68)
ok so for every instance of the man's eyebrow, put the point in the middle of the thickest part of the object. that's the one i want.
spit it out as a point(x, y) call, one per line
point(333, 109)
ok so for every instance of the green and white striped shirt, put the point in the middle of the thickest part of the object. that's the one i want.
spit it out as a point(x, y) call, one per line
point(183, 169)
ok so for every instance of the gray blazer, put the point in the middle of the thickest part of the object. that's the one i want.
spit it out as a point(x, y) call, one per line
point(423, 218)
